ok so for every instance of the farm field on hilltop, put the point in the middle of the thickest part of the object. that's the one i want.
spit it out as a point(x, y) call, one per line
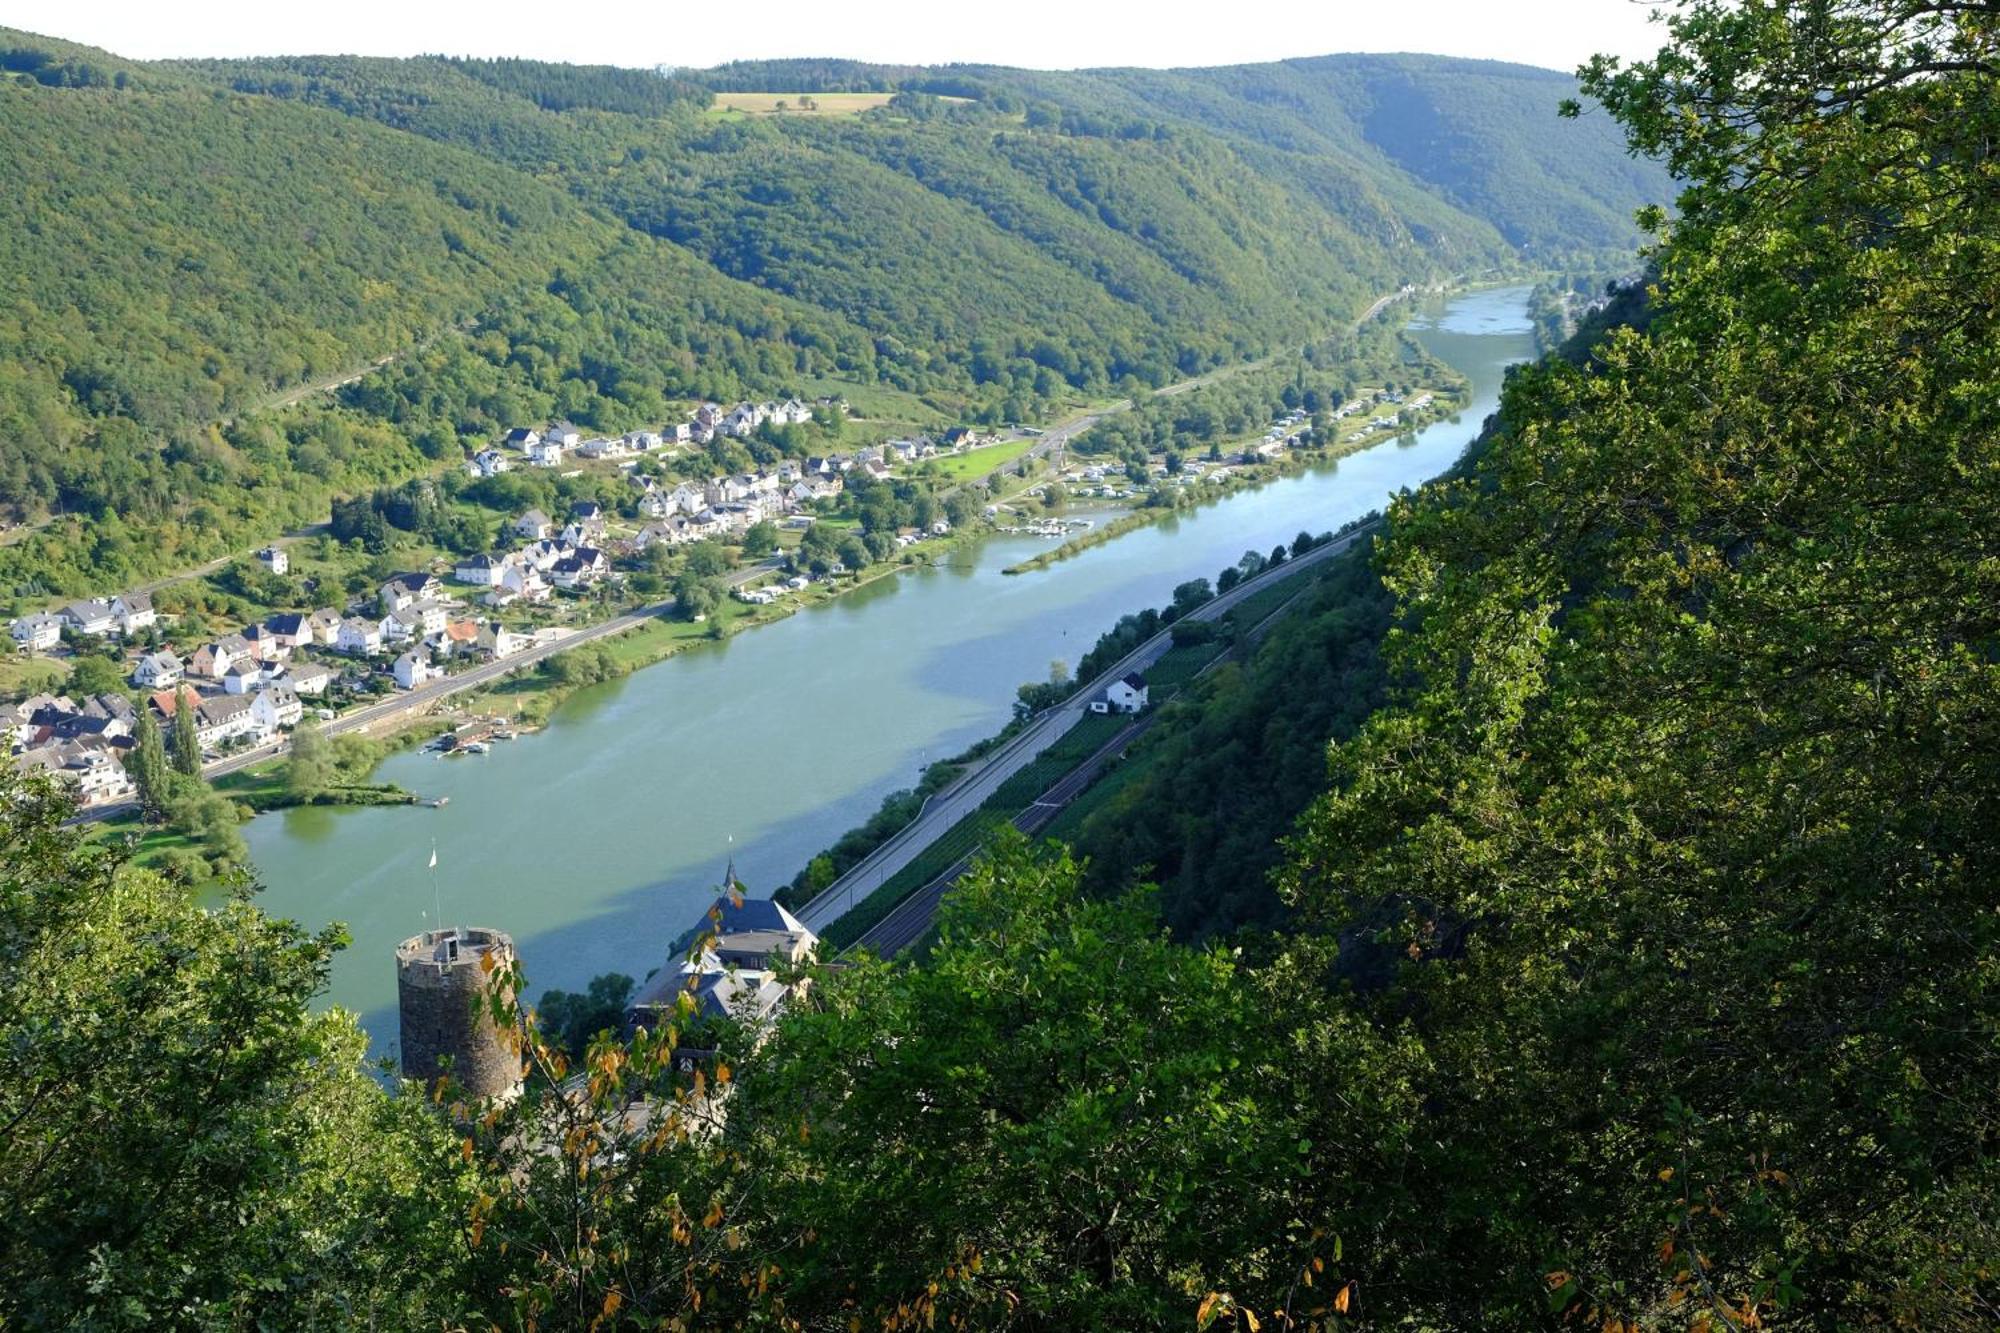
point(806, 104)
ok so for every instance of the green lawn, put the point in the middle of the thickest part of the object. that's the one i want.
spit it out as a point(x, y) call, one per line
point(21, 676)
point(976, 463)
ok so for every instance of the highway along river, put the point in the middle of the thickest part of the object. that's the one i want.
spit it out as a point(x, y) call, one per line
point(596, 841)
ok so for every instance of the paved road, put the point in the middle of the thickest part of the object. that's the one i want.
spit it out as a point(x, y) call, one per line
point(970, 791)
point(911, 919)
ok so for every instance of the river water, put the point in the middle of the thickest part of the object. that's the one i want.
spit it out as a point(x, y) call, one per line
point(598, 840)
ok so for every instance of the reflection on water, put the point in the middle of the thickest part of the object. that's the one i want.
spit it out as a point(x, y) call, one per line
point(597, 841)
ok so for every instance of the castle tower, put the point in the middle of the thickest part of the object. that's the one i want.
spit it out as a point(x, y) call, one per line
point(441, 981)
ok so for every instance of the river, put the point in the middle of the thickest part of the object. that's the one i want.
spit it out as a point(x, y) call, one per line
point(598, 840)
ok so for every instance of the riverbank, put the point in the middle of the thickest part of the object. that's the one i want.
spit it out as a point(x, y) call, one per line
point(1242, 477)
point(531, 699)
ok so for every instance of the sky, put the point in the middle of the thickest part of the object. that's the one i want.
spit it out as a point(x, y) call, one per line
point(1044, 34)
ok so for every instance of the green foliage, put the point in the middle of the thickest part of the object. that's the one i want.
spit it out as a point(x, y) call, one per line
point(1221, 779)
point(698, 596)
point(1677, 849)
point(183, 1142)
point(149, 765)
point(760, 540)
point(93, 673)
point(309, 766)
point(571, 1020)
point(187, 740)
point(1059, 1123)
point(591, 664)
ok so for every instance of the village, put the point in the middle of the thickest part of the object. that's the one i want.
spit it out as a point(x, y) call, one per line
point(243, 689)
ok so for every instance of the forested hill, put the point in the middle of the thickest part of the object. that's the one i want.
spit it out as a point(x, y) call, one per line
point(1476, 133)
point(189, 241)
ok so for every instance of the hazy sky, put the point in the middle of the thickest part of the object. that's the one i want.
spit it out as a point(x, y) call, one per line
point(1038, 33)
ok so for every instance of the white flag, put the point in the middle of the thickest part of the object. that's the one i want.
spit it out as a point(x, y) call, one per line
point(434, 858)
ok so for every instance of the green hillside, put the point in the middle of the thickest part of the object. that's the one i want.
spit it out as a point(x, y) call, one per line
point(192, 242)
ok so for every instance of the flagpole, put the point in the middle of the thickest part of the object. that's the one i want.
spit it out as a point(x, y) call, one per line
point(437, 902)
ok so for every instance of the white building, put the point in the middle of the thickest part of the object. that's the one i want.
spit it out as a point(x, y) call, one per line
point(275, 559)
point(481, 571)
point(245, 677)
point(38, 633)
point(412, 670)
point(488, 463)
point(276, 708)
point(90, 617)
point(134, 611)
point(1126, 695)
point(158, 670)
point(361, 637)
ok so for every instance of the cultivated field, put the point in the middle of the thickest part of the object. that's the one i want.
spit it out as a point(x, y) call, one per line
point(822, 104)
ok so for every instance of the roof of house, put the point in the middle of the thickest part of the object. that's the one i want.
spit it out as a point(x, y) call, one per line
point(1136, 681)
point(222, 707)
point(165, 702)
point(734, 914)
point(136, 601)
point(716, 992)
point(288, 623)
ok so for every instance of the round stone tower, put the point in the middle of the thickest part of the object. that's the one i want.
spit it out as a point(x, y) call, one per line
point(441, 986)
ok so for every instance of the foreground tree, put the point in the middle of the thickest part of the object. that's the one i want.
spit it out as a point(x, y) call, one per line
point(183, 1144)
point(1061, 1120)
point(1684, 838)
